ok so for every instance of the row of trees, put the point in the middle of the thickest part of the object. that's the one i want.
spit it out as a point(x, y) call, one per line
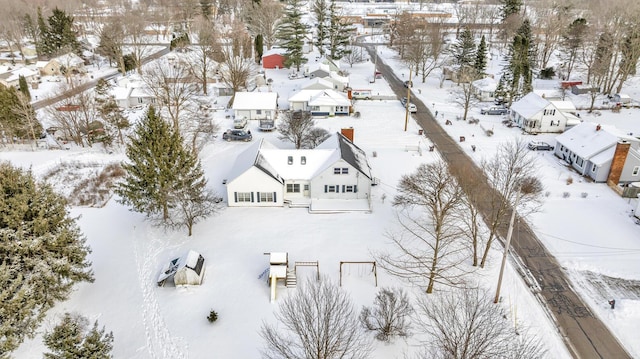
point(319, 321)
point(441, 223)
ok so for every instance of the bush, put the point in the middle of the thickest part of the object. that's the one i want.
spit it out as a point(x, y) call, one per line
point(389, 316)
point(569, 180)
point(566, 195)
point(547, 73)
point(584, 194)
point(213, 316)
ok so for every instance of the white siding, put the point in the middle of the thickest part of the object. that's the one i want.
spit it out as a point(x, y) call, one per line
point(254, 181)
point(340, 182)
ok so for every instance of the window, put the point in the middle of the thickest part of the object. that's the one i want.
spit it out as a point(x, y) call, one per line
point(266, 197)
point(345, 171)
point(290, 160)
point(303, 160)
point(243, 196)
point(348, 189)
point(636, 170)
point(331, 189)
point(258, 112)
point(293, 188)
point(336, 171)
point(594, 168)
point(580, 162)
point(306, 187)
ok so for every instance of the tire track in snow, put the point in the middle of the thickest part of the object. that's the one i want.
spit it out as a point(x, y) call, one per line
point(160, 343)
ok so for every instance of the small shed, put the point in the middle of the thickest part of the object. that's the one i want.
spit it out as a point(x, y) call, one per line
point(584, 88)
point(274, 59)
point(186, 270)
point(621, 98)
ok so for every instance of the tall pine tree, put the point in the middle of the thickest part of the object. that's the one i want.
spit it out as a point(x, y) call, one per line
point(518, 73)
point(164, 180)
point(464, 54)
point(42, 254)
point(510, 7)
point(480, 64)
point(292, 34)
point(339, 34)
point(320, 11)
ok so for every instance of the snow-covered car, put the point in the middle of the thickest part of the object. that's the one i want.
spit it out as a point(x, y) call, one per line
point(240, 122)
point(237, 135)
point(494, 111)
point(412, 108)
point(539, 146)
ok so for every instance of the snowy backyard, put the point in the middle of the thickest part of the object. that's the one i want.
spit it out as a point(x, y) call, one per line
point(591, 231)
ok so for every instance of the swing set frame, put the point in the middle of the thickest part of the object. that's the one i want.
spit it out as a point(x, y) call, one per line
point(374, 268)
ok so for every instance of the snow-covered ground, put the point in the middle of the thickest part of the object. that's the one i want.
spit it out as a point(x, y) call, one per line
point(590, 236)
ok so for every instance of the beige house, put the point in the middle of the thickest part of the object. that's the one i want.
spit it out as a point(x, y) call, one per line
point(72, 62)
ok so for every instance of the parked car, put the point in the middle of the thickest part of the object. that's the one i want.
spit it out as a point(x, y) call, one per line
point(539, 146)
point(403, 101)
point(408, 83)
point(240, 122)
point(494, 111)
point(412, 108)
point(237, 135)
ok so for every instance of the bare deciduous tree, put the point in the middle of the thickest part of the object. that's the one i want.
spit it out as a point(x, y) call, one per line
point(390, 314)
point(470, 217)
point(172, 87)
point(464, 95)
point(319, 322)
point(354, 55)
point(465, 324)
point(294, 125)
point(135, 23)
point(262, 19)
point(428, 248)
point(203, 65)
point(506, 172)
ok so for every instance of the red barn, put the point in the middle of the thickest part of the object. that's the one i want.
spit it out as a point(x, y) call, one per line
point(273, 59)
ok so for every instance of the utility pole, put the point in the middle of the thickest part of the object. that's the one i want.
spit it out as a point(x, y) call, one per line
point(506, 246)
point(406, 105)
point(375, 65)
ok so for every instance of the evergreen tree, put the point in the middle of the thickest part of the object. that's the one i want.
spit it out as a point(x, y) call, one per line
point(43, 40)
point(110, 111)
point(339, 34)
point(206, 8)
point(320, 11)
point(510, 7)
point(463, 52)
point(42, 254)
point(518, 73)
point(259, 47)
point(72, 338)
point(13, 120)
point(480, 63)
point(58, 36)
point(164, 180)
point(292, 34)
point(23, 86)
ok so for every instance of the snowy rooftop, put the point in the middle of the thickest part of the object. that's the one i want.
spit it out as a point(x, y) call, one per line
point(587, 139)
point(255, 101)
point(486, 84)
point(529, 105)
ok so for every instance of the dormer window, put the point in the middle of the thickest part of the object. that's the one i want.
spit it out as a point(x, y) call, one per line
point(290, 160)
point(303, 160)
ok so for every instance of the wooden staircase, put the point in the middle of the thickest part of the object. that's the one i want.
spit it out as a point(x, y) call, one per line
point(291, 281)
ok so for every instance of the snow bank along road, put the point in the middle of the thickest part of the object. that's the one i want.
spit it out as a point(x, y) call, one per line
point(584, 334)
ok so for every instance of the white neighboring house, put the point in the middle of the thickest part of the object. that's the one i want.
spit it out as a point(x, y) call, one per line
point(330, 174)
point(12, 78)
point(535, 114)
point(131, 92)
point(589, 149)
point(319, 84)
point(485, 89)
point(321, 102)
point(255, 105)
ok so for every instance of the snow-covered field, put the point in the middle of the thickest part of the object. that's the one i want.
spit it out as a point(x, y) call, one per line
point(590, 236)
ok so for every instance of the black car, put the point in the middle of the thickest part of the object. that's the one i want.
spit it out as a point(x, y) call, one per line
point(237, 135)
point(408, 83)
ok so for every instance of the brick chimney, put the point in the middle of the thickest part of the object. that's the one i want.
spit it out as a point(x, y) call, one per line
point(348, 133)
point(617, 164)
